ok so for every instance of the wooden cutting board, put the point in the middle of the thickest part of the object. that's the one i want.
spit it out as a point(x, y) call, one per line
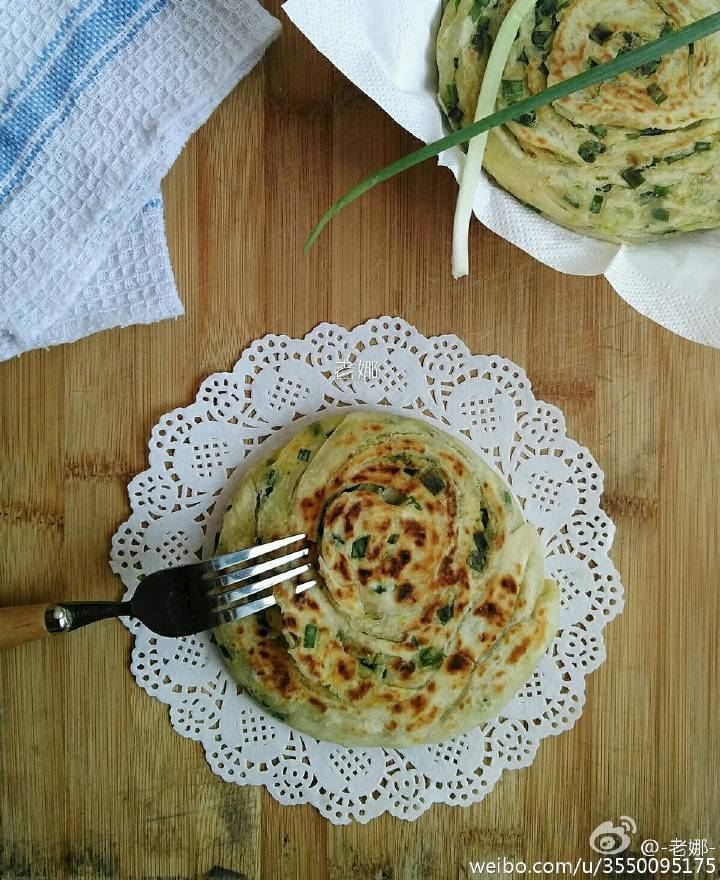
point(93, 781)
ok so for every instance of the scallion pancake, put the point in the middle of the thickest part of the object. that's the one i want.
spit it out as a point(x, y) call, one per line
point(630, 160)
point(432, 607)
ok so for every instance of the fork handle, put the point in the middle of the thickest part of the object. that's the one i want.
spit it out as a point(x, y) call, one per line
point(24, 623)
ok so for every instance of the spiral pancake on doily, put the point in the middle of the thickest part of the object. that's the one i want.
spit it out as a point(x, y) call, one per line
point(433, 607)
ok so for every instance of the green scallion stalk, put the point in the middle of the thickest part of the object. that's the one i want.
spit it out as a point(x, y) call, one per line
point(476, 151)
point(671, 42)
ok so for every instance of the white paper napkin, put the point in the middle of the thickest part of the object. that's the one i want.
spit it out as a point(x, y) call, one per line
point(97, 98)
point(388, 51)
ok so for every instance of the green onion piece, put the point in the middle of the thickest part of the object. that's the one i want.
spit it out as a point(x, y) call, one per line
point(676, 157)
point(513, 89)
point(446, 612)
point(368, 663)
point(337, 538)
point(600, 34)
point(452, 103)
point(661, 214)
point(413, 502)
point(657, 192)
point(270, 481)
point(507, 497)
point(476, 150)
point(647, 69)
point(596, 204)
point(380, 589)
point(391, 495)
point(304, 455)
point(632, 177)
point(527, 119)
point(359, 547)
point(433, 482)
point(690, 33)
point(431, 656)
point(590, 150)
point(310, 636)
point(656, 93)
point(393, 539)
point(598, 130)
point(481, 542)
point(481, 40)
point(541, 38)
point(478, 7)
point(703, 147)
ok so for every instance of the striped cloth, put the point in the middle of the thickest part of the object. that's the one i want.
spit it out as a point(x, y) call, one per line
point(97, 98)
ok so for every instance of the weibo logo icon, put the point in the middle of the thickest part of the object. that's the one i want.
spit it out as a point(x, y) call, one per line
point(608, 839)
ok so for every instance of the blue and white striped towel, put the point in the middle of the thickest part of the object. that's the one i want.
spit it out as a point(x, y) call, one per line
point(97, 98)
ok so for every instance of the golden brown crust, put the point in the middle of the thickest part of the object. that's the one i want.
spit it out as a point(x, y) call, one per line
point(427, 573)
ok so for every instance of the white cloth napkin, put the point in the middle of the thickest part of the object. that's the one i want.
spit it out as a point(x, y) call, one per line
point(387, 49)
point(97, 98)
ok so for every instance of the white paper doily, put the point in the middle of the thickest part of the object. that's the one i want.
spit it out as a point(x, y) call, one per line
point(277, 385)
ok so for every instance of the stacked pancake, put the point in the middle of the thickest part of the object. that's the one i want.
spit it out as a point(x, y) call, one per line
point(630, 160)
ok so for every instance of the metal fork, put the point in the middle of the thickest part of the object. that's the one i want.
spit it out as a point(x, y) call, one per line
point(176, 601)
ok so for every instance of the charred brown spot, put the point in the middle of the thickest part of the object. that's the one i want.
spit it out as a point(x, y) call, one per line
point(446, 575)
point(405, 593)
point(518, 651)
point(432, 687)
point(508, 583)
point(416, 531)
point(352, 515)
point(395, 565)
point(343, 568)
point(374, 552)
point(311, 603)
point(460, 607)
point(429, 612)
point(392, 724)
point(357, 693)
point(459, 662)
point(289, 622)
point(384, 526)
point(364, 575)
point(488, 610)
point(317, 703)
point(458, 468)
point(307, 504)
point(344, 670)
point(334, 515)
point(418, 703)
point(403, 668)
point(397, 708)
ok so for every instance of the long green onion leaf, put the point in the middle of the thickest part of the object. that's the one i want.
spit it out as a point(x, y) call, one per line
point(476, 151)
point(672, 41)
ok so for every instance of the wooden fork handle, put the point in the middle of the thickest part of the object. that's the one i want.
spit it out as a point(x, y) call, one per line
point(22, 624)
point(27, 622)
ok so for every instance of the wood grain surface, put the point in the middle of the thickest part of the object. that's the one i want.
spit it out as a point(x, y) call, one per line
point(93, 781)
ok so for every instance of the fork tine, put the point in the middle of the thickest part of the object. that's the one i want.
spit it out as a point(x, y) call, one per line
point(218, 563)
point(227, 615)
point(227, 580)
point(221, 600)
